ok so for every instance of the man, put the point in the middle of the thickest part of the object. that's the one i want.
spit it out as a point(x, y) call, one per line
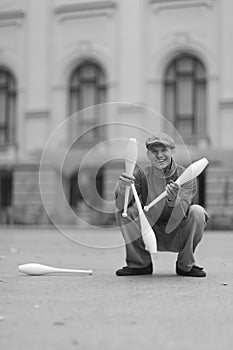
point(178, 225)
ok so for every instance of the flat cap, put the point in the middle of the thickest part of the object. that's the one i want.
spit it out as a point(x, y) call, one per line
point(160, 138)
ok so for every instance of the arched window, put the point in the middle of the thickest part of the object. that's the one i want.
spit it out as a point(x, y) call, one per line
point(7, 108)
point(87, 87)
point(185, 97)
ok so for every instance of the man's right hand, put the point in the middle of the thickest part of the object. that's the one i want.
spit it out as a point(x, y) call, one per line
point(125, 180)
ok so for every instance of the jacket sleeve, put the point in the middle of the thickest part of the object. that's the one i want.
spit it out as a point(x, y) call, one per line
point(185, 195)
point(181, 205)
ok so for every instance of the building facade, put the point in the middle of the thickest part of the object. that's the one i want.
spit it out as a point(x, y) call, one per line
point(79, 77)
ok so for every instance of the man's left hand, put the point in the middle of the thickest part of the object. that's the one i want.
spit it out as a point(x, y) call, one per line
point(172, 190)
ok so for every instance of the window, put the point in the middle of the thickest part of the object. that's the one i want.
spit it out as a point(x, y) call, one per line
point(75, 196)
point(89, 183)
point(7, 108)
point(5, 189)
point(87, 88)
point(185, 97)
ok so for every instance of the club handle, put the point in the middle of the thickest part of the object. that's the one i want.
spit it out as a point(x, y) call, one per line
point(130, 162)
point(137, 200)
point(148, 235)
point(35, 269)
point(87, 272)
point(155, 201)
point(127, 189)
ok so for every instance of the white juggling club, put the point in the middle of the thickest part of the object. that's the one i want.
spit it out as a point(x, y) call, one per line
point(35, 269)
point(148, 235)
point(190, 173)
point(130, 161)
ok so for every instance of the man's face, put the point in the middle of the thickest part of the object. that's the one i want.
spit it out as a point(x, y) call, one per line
point(160, 156)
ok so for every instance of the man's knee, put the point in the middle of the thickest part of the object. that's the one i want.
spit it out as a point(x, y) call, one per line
point(197, 213)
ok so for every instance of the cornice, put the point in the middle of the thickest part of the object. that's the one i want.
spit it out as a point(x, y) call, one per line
point(11, 18)
point(33, 114)
point(85, 9)
point(159, 5)
point(226, 103)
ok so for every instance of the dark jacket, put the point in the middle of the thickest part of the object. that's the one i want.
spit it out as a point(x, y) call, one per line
point(150, 182)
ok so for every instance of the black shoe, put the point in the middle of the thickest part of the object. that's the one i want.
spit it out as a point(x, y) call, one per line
point(131, 271)
point(196, 271)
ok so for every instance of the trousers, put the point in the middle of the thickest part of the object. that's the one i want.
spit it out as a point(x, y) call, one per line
point(183, 240)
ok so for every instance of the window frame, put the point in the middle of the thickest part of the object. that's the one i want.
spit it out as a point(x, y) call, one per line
point(80, 125)
point(7, 126)
point(172, 83)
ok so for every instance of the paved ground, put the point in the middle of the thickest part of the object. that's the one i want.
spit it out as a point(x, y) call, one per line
point(102, 311)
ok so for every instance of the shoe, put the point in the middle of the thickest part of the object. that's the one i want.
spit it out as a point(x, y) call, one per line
point(131, 271)
point(196, 271)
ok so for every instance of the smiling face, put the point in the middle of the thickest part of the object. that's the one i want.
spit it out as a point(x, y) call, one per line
point(160, 156)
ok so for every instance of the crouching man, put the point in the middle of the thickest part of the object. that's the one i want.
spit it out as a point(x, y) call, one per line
point(177, 224)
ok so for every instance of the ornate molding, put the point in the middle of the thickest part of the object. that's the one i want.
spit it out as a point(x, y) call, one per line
point(85, 9)
point(11, 18)
point(159, 5)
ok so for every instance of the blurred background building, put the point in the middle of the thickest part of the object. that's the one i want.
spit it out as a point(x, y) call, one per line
point(58, 57)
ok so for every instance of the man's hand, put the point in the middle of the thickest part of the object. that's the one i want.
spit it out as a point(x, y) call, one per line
point(125, 180)
point(172, 190)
